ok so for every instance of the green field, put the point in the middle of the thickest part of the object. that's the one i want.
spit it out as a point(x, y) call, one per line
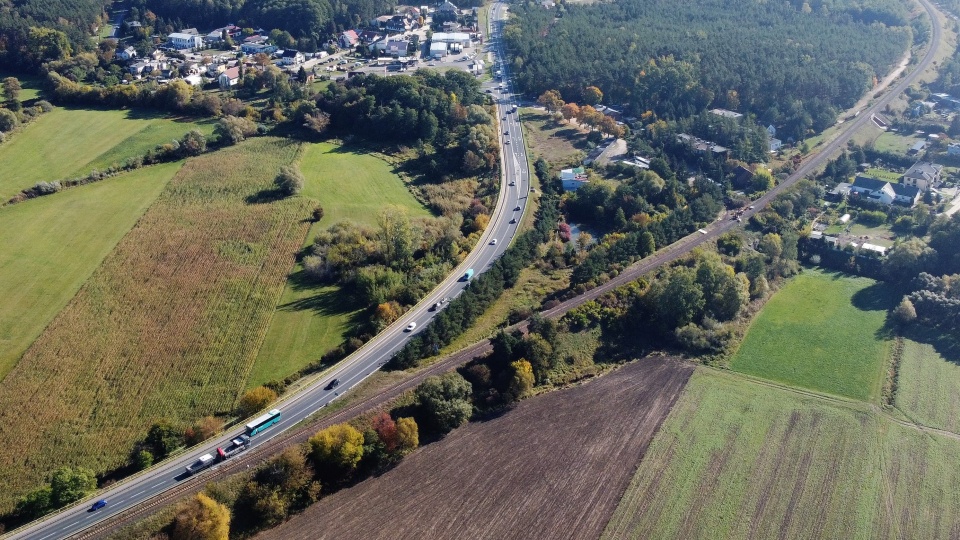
point(821, 331)
point(353, 186)
point(739, 459)
point(895, 143)
point(167, 326)
point(71, 142)
point(928, 389)
point(310, 319)
point(51, 245)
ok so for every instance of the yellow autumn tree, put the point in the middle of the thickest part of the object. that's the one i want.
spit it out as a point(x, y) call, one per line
point(256, 399)
point(202, 518)
point(408, 435)
point(522, 381)
point(336, 451)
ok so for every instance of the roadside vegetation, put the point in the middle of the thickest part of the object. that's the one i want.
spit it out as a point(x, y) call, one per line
point(821, 331)
point(52, 245)
point(177, 313)
point(311, 319)
point(739, 459)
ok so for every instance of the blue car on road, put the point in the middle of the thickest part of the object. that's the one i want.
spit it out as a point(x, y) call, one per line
point(98, 505)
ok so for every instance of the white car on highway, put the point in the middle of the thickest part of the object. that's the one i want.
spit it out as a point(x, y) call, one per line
point(410, 327)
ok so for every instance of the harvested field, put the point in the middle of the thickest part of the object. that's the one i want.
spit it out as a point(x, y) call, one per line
point(552, 468)
point(67, 142)
point(928, 389)
point(823, 331)
point(166, 328)
point(741, 459)
point(40, 270)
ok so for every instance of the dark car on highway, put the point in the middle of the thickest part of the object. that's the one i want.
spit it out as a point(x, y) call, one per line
point(98, 505)
point(333, 384)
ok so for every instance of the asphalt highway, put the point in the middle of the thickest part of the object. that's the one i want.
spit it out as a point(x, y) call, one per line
point(511, 204)
point(375, 353)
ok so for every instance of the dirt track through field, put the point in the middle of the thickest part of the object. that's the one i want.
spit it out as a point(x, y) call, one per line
point(553, 468)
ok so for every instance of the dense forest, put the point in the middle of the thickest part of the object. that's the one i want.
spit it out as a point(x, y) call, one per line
point(794, 64)
point(34, 31)
point(312, 19)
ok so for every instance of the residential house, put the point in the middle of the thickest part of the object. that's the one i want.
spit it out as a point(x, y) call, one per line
point(214, 70)
point(446, 11)
point(395, 47)
point(133, 24)
point(291, 57)
point(700, 145)
point(399, 24)
point(775, 145)
point(917, 148)
point(923, 175)
point(183, 41)
point(230, 77)
point(725, 113)
point(128, 53)
point(953, 149)
point(771, 131)
point(572, 179)
point(146, 67)
point(884, 192)
point(369, 36)
point(637, 161)
point(840, 192)
point(348, 39)
point(256, 38)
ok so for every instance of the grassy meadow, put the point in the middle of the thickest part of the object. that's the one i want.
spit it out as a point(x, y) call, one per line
point(52, 244)
point(740, 459)
point(824, 332)
point(166, 328)
point(70, 142)
point(311, 319)
point(928, 386)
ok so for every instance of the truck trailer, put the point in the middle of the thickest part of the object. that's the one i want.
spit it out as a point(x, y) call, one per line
point(200, 464)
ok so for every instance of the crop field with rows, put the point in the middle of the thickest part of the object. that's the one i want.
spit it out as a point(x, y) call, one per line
point(741, 459)
point(166, 328)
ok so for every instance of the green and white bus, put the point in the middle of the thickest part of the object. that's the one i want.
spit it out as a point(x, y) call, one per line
point(263, 422)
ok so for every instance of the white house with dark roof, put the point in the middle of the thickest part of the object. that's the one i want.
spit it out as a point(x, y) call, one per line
point(923, 175)
point(884, 192)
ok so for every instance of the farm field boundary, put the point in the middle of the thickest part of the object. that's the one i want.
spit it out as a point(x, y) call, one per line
point(53, 244)
point(821, 331)
point(551, 468)
point(67, 142)
point(166, 328)
point(737, 459)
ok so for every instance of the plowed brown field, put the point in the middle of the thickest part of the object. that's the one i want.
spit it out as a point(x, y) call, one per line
point(553, 468)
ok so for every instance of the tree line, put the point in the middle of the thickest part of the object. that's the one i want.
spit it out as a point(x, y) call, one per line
point(794, 64)
point(312, 19)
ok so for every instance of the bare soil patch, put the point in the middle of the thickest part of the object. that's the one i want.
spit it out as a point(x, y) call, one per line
point(555, 467)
